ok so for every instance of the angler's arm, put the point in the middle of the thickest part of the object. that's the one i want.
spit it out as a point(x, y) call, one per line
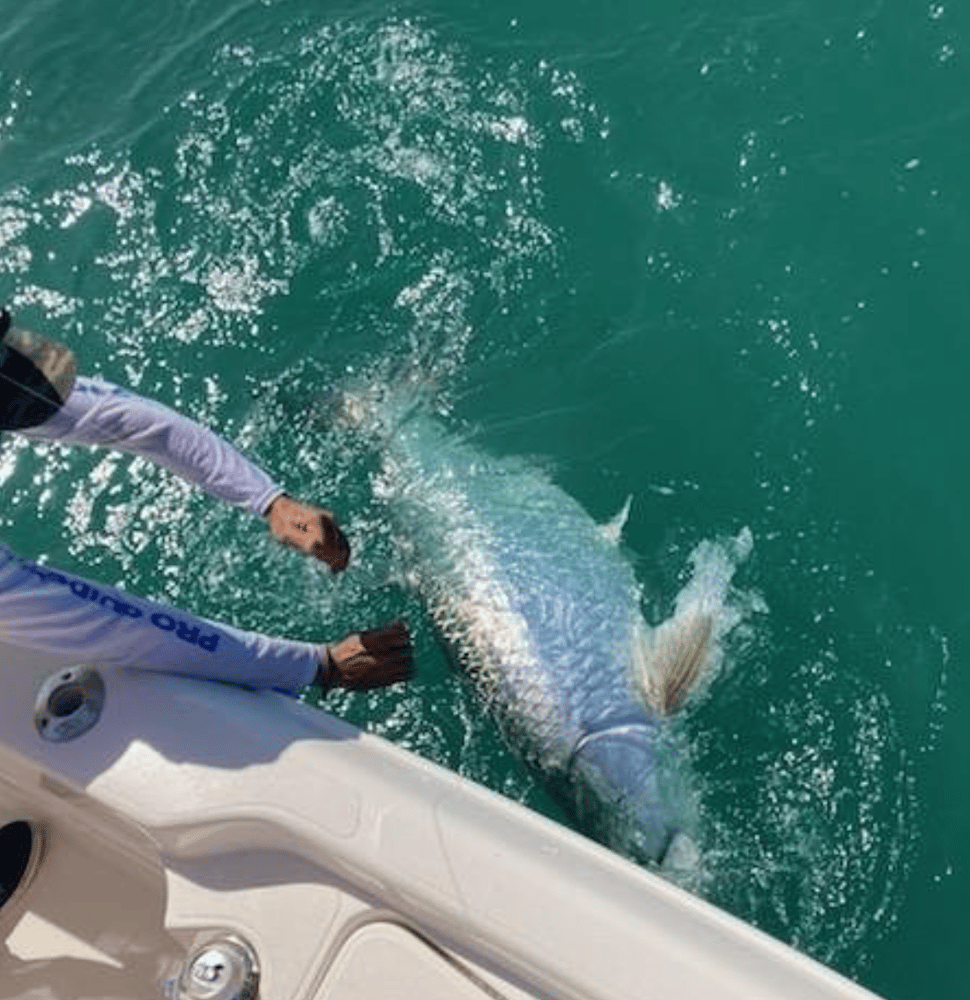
point(100, 413)
point(63, 619)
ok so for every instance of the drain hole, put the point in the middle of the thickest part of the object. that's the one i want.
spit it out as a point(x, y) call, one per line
point(65, 699)
point(16, 840)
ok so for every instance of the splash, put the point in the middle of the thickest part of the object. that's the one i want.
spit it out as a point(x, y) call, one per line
point(808, 807)
point(710, 591)
point(345, 158)
point(343, 191)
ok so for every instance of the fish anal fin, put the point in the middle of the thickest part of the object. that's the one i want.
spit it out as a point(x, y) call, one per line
point(682, 856)
point(672, 665)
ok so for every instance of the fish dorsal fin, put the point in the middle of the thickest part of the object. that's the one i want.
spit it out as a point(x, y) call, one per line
point(671, 662)
point(612, 531)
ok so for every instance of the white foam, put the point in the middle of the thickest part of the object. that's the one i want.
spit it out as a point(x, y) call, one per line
point(710, 590)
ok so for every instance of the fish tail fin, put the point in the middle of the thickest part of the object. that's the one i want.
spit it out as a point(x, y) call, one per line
point(672, 661)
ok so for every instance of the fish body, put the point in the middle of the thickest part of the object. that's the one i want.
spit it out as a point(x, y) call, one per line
point(542, 610)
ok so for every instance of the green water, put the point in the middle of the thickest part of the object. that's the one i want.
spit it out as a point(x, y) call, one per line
point(707, 255)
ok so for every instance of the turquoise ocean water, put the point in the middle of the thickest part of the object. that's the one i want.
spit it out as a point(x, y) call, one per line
point(707, 255)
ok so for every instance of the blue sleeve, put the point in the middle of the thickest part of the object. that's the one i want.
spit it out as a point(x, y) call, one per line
point(100, 413)
point(64, 619)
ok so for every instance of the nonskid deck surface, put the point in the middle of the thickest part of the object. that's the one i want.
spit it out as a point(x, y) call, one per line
point(195, 812)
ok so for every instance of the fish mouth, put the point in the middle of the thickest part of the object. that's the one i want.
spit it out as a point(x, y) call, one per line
point(622, 789)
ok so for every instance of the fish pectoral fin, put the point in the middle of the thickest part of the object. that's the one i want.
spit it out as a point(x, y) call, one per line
point(612, 531)
point(674, 662)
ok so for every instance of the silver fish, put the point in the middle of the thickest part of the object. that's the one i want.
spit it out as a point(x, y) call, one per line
point(543, 611)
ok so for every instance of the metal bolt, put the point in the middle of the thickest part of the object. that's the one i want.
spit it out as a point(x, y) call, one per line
point(209, 967)
point(222, 970)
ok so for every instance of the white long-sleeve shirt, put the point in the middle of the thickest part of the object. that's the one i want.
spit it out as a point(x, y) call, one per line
point(64, 619)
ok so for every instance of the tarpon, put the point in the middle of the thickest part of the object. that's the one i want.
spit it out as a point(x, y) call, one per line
point(542, 609)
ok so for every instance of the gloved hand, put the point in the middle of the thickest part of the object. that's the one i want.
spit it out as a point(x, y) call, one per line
point(367, 660)
point(308, 529)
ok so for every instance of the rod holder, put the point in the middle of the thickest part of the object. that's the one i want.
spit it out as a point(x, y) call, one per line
point(69, 703)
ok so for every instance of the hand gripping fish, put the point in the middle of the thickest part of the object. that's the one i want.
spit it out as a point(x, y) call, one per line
point(542, 610)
